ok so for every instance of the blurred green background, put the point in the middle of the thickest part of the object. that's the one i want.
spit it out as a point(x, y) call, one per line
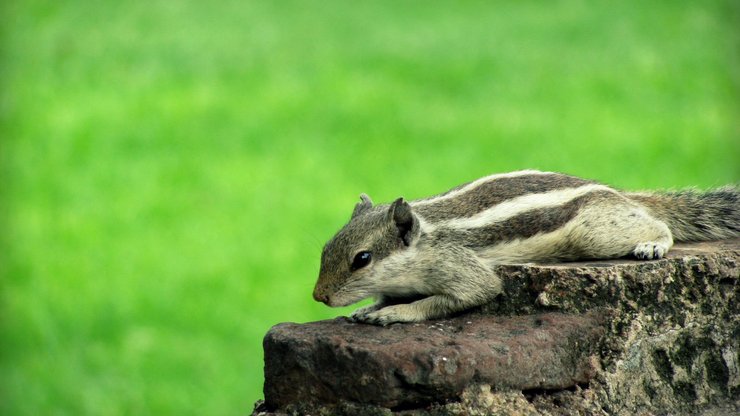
point(171, 169)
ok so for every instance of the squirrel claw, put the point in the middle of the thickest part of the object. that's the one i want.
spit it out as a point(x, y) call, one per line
point(386, 316)
point(361, 314)
point(366, 317)
point(357, 319)
point(650, 250)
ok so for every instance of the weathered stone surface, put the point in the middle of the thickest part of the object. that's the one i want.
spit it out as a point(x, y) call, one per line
point(673, 332)
point(669, 344)
point(415, 364)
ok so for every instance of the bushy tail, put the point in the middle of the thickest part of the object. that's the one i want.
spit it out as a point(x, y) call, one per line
point(695, 215)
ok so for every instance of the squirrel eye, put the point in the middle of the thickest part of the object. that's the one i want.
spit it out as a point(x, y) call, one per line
point(361, 260)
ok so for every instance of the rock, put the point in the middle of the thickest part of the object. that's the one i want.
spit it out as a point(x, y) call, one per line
point(414, 364)
point(611, 337)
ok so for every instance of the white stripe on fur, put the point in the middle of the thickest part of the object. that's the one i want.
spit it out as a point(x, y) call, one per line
point(477, 183)
point(518, 205)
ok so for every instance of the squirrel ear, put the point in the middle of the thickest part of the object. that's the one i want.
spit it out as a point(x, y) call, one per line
point(365, 204)
point(400, 213)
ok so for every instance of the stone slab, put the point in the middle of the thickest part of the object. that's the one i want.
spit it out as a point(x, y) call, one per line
point(415, 364)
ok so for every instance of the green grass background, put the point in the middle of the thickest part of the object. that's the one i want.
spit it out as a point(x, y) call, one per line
point(171, 169)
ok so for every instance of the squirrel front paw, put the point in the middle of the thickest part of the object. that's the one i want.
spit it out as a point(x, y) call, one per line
point(360, 314)
point(386, 315)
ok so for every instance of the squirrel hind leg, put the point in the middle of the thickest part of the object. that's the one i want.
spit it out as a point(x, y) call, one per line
point(622, 231)
point(654, 239)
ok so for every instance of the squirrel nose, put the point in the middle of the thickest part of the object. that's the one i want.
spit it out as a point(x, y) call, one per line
point(320, 297)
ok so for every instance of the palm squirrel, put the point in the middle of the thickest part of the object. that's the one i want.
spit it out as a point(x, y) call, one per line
point(433, 257)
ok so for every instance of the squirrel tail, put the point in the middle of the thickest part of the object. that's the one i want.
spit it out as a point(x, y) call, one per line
point(695, 215)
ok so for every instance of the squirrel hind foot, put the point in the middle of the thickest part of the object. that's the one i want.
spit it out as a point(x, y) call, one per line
point(651, 250)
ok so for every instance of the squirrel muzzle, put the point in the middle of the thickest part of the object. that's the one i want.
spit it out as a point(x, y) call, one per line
point(319, 296)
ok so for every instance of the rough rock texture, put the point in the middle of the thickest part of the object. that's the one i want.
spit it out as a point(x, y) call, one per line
point(619, 337)
point(414, 364)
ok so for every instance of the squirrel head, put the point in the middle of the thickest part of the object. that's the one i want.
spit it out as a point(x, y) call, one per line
point(351, 260)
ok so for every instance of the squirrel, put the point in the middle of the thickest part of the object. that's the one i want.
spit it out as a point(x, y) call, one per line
point(433, 257)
